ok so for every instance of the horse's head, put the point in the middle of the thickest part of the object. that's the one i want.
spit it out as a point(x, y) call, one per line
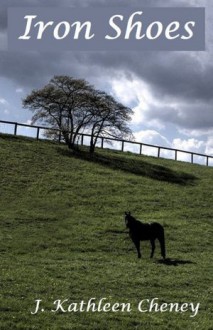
point(128, 219)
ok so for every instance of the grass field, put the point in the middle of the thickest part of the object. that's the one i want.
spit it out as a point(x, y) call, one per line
point(63, 237)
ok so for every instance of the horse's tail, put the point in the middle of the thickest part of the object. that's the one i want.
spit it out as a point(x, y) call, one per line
point(161, 239)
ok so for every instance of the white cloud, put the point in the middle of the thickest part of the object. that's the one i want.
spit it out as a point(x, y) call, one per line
point(156, 111)
point(154, 138)
point(151, 137)
point(28, 122)
point(189, 145)
point(19, 90)
point(194, 133)
point(209, 146)
point(3, 101)
point(136, 94)
point(125, 90)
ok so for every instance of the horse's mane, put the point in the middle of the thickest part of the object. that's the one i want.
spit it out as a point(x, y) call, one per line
point(130, 217)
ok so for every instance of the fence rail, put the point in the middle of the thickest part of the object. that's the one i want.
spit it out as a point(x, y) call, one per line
point(123, 142)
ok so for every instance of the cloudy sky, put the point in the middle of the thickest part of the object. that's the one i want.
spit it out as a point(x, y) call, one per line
point(171, 93)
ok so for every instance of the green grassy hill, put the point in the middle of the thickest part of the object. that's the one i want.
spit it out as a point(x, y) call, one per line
point(63, 237)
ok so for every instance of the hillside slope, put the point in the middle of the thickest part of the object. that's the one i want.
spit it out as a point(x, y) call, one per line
point(63, 236)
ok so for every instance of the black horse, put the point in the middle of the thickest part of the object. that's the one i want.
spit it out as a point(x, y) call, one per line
point(139, 231)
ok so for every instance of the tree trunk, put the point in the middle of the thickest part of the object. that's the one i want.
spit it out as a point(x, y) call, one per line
point(71, 145)
point(92, 148)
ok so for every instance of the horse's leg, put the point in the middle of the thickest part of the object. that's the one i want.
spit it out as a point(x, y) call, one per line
point(153, 247)
point(162, 244)
point(137, 245)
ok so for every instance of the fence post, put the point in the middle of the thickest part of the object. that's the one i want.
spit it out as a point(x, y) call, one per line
point(16, 124)
point(37, 137)
point(122, 146)
point(15, 128)
point(82, 139)
point(158, 152)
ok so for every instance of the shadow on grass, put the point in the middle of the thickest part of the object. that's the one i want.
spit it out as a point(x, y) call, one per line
point(135, 166)
point(115, 231)
point(174, 262)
